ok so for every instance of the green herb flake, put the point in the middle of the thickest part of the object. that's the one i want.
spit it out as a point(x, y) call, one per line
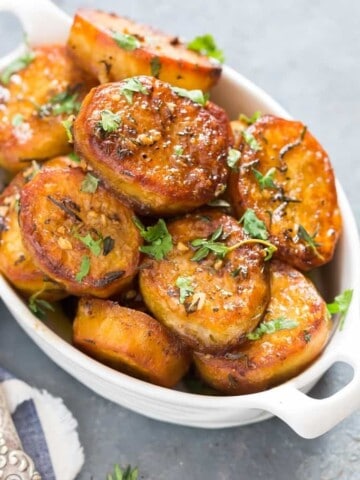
point(67, 124)
point(17, 120)
point(17, 65)
point(250, 120)
point(95, 246)
point(271, 326)
point(133, 85)
point(253, 226)
point(204, 246)
point(109, 121)
point(233, 158)
point(119, 474)
point(341, 305)
point(197, 96)
point(74, 157)
point(178, 150)
point(155, 67)
point(265, 181)
point(251, 140)
point(84, 268)
point(308, 239)
point(185, 287)
point(307, 336)
point(39, 306)
point(125, 41)
point(205, 45)
point(157, 236)
point(89, 184)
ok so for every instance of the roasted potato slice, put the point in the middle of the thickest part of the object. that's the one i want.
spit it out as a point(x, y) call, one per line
point(16, 263)
point(274, 357)
point(78, 233)
point(213, 302)
point(237, 127)
point(159, 151)
point(34, 101)
point(285, 176)
point(130, 341)
point(113, 48)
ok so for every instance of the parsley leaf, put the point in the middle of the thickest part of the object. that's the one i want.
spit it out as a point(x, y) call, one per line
point(74, 157)
point(233, 157)
point(133, 85)
point(309, 239)
point(280, 323)
point(67, 124)
point(250, 120)
point(158, 236)
point(16, 66)
point(128, 474)
point(178, 150)
point(125, 41)
point(341, 305)
point(251, 140)
point(109, 121)
point(84, 268)
point(253, 226)
point(197, 96)
point(95, 246)
point(204, 246)
point(89, 184)
point(63, 102)
point(205, 45)
point(17, 120)
point(38, 306)
point(267, 180)
point(155, 67)
point(185, 286)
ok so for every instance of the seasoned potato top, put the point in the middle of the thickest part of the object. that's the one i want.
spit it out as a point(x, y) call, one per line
point(34, 101)
point(211, 300)
point(286, 177)
point(78, 233)
point(163, 152)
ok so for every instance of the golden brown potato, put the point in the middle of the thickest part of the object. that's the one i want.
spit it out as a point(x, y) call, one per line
point(130, 341)
point(211, 303)
point(16, 263)
point(286, 177)
point(160, 152)
point(275, 357)
point(34, 101)
point(78, 233)
point(113, 48)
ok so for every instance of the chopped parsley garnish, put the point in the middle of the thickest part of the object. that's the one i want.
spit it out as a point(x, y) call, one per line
point(205, 45)
point(133, 85)
point(309, 239)
point(178, 150)
point(155, 67)
point(233, 157)
point(38, 306)
point(197, 96)
point(74, 157)
point(109, 121)
point(250, 120)
point(126, 41)
point(89, 184)
point(95, 246)
point(204, 246)
point(272, 326)
point(17, 120)
point(67, 124)
point(16, 66)
point(267, 180)
point(157, 236)
point(251, 140)
point(185, 287)
point(63, 102)
point(253, 226)
point(128, 474)
point(84, 268)
point(341, 305)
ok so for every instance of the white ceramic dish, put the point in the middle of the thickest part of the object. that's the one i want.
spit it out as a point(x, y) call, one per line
point(44, 23)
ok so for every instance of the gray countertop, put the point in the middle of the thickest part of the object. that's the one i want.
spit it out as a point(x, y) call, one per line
point(306, 55)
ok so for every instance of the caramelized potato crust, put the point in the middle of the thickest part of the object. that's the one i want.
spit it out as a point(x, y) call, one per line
point(227, 296)
point(84, 239)
point(94, 48)
point(130, 341)
point(303, 196)
point(275, 357)
point(29, 128)
point(166, 154)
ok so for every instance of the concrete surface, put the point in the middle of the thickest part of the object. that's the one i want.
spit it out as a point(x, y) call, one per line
point(305, 54)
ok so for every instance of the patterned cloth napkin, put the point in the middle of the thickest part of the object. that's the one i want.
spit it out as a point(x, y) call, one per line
point(47, 429)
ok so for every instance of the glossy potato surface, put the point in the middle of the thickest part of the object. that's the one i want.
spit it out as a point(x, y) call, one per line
point(167, 154)
point(130, 341)
point(38, 134)
point(93, 46)
point(229, 295)
point(56, 214)
point(275, 357)
point(304, 196)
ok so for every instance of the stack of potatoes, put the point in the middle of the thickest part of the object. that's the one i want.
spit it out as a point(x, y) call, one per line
point(183, 234)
